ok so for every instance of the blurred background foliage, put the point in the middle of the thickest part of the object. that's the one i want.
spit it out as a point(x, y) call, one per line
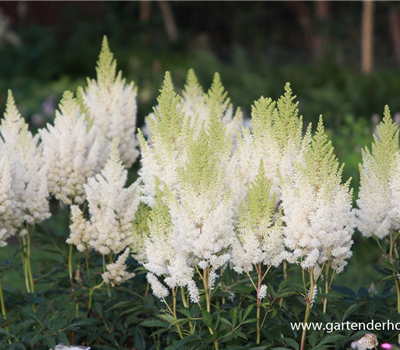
point(342, 59)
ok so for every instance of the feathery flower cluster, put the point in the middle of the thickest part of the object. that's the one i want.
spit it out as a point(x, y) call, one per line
point(112, 210)
point(281, 189)
point(379, 200)
point(183, 178)
point(262, 292)
point(111, 106)
point(260, 235)
point(200, 106)
point(276, 139)
point(175, 122)
point(23, 175)
point(72, 152)
point(318, 215)
point(312, 297)
point(158, 289)
point(116, 272)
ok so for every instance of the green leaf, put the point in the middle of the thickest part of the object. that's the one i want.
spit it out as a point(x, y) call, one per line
point(207, 318)
point(63, 338)
point(182, 342)
point(154, 323)
point(292, 343)
point(234, 313)
point(247, 312)
point(225, 321)
point(140, 343)
point(330, 339)
point(50, 342)
point(351, 310)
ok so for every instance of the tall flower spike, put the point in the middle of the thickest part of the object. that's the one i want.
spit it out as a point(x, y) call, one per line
point(200, 106)
point(163, 256)
point(112, 210)
point(259, 234)
point(375, 217)
point(317, 207)
point(201, 211)
point(111, 105)
point(72, 152)
point(276, 138)
point(24, 174)
point(169, 145)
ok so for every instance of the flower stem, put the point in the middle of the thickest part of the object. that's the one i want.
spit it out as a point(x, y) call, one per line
point(3, 309)
point(326, 286)
point(207, 293)
point(71, 250)
point(396, 280)
point(91, 295)
point(308, 308)
point(174, 312)
point(32, 284)
point(258, 301)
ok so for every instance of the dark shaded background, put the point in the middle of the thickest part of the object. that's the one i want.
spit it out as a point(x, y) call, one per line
point(48, 47)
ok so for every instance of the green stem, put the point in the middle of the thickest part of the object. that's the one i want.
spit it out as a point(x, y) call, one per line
point(308, 308)
point(25, 264)
point(258, 301)
point(71, 276)
point(174, 312)
point(208, 303)
point(32, 284)
point(3, 309)
point(91, 295)
point(326, 286)
point(396, 280)
point(186, 305)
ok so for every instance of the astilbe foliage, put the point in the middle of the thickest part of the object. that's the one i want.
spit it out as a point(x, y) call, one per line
point(72, 151)
point(24, 193)
point(111, 106)
point(318, 216)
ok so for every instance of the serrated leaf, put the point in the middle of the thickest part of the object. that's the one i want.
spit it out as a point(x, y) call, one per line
point(207, 318)
point(182, 342)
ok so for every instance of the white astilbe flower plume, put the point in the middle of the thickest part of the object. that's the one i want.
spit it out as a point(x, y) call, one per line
point(378, 200)
point(112, 210)
point(183, 178)
point(201, 211)
point(111, 105)
point(72, 152)
point(158, 289)
point(318, 216)
point(116, 272)
point(6, 199)
point(23, 175)
point(200, 106)
point(194, 293)
point(175, 122)
point(196, 108)
point(262, 292)
point(312, 297)
point(260, 235)
point(275, 138)
point(169, 143)
point(163, 256)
